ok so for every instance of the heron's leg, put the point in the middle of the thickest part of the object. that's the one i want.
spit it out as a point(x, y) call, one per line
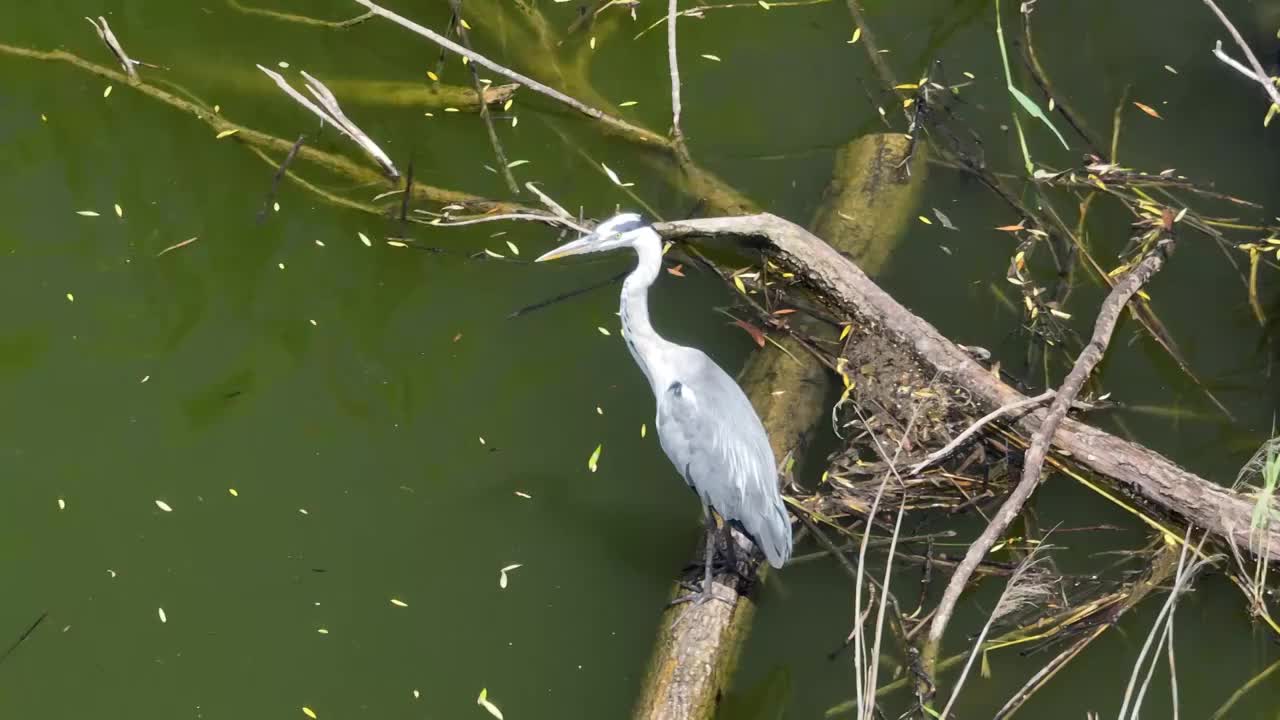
point(709, 558)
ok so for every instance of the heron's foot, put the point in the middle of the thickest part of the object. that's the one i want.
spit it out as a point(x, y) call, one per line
point(697, 594)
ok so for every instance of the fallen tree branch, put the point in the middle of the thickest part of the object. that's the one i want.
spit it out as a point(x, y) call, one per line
point(1138, 470)
point(977, 427)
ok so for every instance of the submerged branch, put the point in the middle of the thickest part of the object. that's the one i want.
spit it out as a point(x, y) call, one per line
point(647, 137)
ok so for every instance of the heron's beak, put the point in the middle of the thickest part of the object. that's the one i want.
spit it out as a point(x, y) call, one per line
point(575, 247)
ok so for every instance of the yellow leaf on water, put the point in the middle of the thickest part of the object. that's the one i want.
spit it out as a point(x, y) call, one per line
point(87, 213)
point(514, 250)
point(1148, 110)
point(119, 210)
point(226, 133)
point(465, 24)
point(71, 298)
point(163, 618)
point(365, 239)
point(856, 34)
point(709, 56)
point(309, 712)
point(234, 492)
point(629, 103)
point(399, 603)
point(644, 429)
point(507, 105)
point(107, 92)
point(593, 462)
point(924, 220)
point(737, 282)
point(483, 701)
point(845, 332)
point(163, 506)
point(762, 4)
point(434, 77)
point(603, 331)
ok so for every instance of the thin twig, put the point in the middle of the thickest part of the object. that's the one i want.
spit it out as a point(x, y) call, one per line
point(676, 133)
point(975, 427)
point(1258, 73)
point(25, 634)
point(300, 19)
point(1089, 357)
point(503, 166)
point(269, 200)
point(646, 136)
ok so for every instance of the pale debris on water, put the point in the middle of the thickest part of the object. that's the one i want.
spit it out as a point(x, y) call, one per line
point(71, 298)
point(603, 331)
point(502, 575)
point(399, 603)
point(709, 56)
point(593, 462)
point(163, 618)
point(119, 211)
point(87, 213)
point(365, 239)
point(107, 92)
point(309, 712)
point(614, 176)
point(514, 250)
point(644, 429)
point(163, 506)
point(62, 504)
point(233, 492)
point(483, 701)
point(524, 495)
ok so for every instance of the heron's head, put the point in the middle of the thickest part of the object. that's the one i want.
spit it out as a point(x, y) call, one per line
point(619, 231)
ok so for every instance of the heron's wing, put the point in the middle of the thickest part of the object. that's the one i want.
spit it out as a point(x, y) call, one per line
point(712, 434)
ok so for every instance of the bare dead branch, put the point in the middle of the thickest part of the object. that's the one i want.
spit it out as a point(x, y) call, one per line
point(333, 113)
point(1088, 359)
point(673, 62)
point(1258, 74)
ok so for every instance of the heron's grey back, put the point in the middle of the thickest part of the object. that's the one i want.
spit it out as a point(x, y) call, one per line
point(712, 434)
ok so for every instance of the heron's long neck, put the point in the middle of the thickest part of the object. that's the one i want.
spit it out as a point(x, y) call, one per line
point(643, 342)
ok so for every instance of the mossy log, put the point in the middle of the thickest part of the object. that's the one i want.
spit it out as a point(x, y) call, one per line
point(866, 208)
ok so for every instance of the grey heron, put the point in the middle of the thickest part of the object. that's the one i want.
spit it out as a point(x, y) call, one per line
point(705, 423)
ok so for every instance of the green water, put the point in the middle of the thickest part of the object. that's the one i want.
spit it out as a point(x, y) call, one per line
point(376, 413)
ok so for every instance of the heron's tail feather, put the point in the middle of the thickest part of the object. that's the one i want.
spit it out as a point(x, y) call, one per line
point(774, 534)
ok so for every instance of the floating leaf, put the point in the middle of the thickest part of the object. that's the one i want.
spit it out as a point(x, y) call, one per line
point(483, 701)
point(309, 712)
point(1027, 103)
point(709, 56)
point(163, 618)
point(629, 103)
point(87, 213)
point(857, 33)
point(365, 239)
point(755, 332)
point(737, 282)
point(163, 506)
point(514, 250)
point(226, 133)
point(399, 603)
point(942, 218)
point(119, 211)
point(593, 462)
point(676, 270)
point(603, 331)
point(433, 77)
point(644, 429)
point(502, 575)
point(924, 220)
point(517, 163)
point(1148, 110)
point(62, 504)
point(234, 492)
point(107, 92)
point(1011, 228)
